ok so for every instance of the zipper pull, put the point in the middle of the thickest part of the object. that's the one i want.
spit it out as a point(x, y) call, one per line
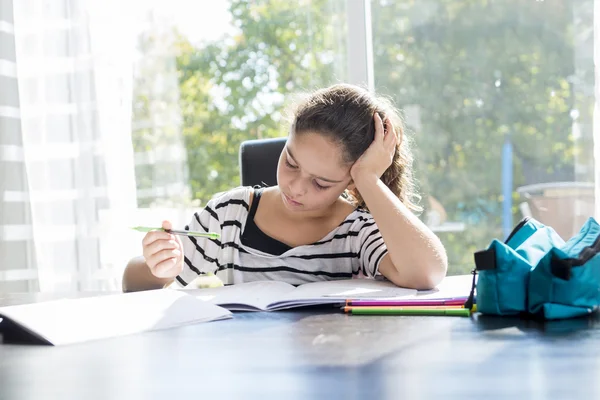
point(471, 300)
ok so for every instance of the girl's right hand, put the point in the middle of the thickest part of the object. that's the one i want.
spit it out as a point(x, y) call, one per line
point(163, 252)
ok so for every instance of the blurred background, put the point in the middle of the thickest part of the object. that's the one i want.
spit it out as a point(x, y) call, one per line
point(115, 114)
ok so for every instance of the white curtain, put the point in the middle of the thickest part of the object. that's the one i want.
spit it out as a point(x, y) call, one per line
point(66, 154)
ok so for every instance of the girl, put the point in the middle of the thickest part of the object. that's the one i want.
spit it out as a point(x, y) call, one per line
point(341, 208)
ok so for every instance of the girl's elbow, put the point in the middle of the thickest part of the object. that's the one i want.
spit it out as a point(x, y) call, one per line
point(427, 274)
point(434, 273)
point(434, 267)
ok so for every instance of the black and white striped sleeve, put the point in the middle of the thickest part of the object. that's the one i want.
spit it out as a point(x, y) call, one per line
point(371, 247)
point(201, 255)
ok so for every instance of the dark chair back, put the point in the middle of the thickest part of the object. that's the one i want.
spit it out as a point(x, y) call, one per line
point(258, 161)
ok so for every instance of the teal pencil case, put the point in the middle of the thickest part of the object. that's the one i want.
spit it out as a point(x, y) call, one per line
point(534, 271)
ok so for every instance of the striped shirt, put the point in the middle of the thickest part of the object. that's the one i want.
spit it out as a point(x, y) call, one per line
point(353, 249)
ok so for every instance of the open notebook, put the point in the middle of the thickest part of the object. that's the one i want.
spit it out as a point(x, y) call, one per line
point(272, 295)
point(68, 321)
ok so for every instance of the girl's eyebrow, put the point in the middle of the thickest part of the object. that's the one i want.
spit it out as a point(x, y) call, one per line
point(289, 152)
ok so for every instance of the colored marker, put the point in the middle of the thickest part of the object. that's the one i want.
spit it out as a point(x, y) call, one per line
point(455, 312)
point(210, 235)
point(350, 308)
point(408, 302)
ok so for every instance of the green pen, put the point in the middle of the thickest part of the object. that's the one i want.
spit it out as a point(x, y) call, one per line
point(454, 312)
point(210, 235)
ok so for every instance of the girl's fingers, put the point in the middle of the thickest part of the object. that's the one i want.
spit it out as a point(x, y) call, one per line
point(158, 258)
point(153, 236)
point(166, 268)
point(177, 240)
point(390, 135)
point(379, 131)
point(159, 245)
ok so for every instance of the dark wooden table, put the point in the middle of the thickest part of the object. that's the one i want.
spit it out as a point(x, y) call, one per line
point(317, 354)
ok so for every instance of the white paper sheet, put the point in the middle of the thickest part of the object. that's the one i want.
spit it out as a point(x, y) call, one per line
point(250, 296)
point(78, 320)
point(332, 292)
point(271, 295)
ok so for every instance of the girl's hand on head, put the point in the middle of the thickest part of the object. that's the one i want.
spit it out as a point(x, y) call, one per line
point(380, 154)
point(163, 252)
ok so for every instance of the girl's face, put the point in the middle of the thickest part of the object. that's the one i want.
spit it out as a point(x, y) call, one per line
point(311, 174)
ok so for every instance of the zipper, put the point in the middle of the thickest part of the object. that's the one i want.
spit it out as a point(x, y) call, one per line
point(561, 268)
point(471, 300)
point(516, 229)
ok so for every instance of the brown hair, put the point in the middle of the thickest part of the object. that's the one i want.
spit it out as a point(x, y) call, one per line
point(344, 114)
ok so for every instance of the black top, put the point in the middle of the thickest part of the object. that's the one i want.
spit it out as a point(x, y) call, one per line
point(255, 238)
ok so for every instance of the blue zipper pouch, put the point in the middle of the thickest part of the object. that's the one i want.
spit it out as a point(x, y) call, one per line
point(534, 271)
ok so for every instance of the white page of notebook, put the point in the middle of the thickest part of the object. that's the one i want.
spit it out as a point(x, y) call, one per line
point(341, 290)
point(79, 320)
point(451, 286)
point(246, 296)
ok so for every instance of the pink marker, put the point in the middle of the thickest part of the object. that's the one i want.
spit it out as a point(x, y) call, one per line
point(409, 302)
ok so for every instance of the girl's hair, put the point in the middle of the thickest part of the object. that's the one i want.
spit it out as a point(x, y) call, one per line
point(344, 114)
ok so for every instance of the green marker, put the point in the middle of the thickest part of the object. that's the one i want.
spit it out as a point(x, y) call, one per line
point(455, 312)
point(210, 235)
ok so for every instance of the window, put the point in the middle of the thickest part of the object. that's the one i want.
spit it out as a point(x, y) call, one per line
point(497, 95)
point(208, 78)
point(499, 98)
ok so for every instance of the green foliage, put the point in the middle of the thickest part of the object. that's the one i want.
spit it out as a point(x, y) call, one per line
point(235, 89)
point(480, 71)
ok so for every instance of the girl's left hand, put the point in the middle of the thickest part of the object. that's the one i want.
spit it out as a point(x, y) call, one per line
point(380, 154)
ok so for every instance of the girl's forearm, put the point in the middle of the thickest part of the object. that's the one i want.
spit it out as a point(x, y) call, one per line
point(410, 243)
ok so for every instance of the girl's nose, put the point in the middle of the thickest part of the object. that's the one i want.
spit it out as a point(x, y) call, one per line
point(297, 188)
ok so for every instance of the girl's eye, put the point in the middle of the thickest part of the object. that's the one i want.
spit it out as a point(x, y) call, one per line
point(287, 163)
point(320, 187)
point(317, 186)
